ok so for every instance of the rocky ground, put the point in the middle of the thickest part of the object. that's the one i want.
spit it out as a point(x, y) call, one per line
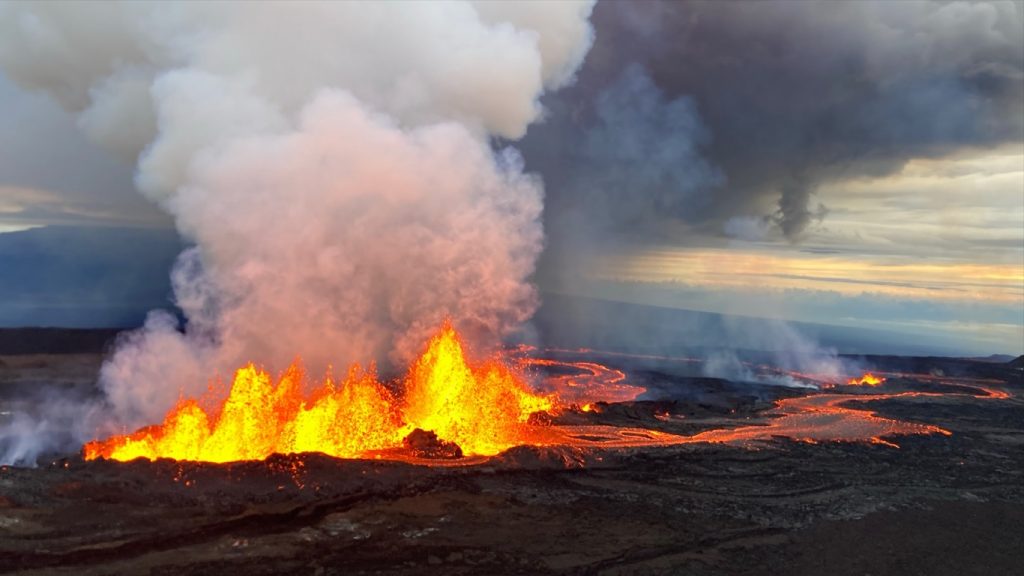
point(936, 505)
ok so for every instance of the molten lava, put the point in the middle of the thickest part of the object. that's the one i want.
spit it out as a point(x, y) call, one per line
point(825, 418)
point(482, 408)
point(587, 382)
point(453, 412)
point(868, 379)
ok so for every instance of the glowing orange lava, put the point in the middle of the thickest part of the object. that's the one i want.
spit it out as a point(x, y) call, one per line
point(590, 382)
point(868, 379)
point(825, 418)
point(482, 408)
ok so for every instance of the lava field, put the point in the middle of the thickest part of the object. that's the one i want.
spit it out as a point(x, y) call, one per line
point(763, 480)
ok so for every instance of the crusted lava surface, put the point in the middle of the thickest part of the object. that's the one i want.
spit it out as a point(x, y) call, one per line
point(936, 504)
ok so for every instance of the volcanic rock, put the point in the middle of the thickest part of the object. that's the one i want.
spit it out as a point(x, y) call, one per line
point(546, 458)
point(541, 418)
point(426, 444)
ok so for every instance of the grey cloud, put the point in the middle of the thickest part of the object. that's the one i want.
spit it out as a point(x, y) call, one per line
point(78, 182)
point(636, 160)
point(785, 96)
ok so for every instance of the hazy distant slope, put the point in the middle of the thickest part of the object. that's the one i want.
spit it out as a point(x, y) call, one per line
point(84, 277)
point(56, 340)
point(574, 321)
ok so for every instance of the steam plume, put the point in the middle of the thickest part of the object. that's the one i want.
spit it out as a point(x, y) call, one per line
point(330, 161)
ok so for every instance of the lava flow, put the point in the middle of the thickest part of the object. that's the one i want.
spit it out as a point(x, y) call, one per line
point(824, 418)
point(482, 408)
point(586, 382)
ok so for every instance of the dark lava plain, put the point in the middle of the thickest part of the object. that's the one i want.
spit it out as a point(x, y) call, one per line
point(936, 505)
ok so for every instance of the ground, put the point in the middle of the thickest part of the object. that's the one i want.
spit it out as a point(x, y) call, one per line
point(935, 505)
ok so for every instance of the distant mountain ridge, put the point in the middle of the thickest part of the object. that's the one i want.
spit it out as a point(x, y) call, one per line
point(574, 321)
point(16, 341)
point(72, 276)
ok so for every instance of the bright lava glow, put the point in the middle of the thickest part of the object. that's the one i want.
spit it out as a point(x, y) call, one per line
point(868, 379)
point(482, 408)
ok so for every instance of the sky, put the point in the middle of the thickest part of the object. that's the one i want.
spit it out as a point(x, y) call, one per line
point(857, 164)
point(934, 251)
point(51, 174)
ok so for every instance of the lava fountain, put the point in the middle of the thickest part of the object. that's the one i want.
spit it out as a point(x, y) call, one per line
point(868, 379)
point(483, 408)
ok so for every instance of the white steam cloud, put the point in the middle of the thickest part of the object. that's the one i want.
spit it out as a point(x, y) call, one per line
point(331, 162)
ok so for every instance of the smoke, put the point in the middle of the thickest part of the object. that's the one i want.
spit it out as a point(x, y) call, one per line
point(730, 346)
point(786, 95)
point(330, 161)
point(45, 421)
point(788, 349)
point(637, 163)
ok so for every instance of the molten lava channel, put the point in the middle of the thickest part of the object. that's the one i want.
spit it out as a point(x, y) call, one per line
point(482, 408)
point(824, 418)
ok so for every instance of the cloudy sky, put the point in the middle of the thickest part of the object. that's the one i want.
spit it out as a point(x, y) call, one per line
point(51, 174)
point(858, 164)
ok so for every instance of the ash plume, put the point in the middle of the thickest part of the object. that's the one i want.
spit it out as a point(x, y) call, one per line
point(785, 95)
point(331, 162)
point(739, 111)
point(638, 163)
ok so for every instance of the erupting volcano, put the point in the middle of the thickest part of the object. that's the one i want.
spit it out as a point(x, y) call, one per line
point(448, 406)
point(483, 408)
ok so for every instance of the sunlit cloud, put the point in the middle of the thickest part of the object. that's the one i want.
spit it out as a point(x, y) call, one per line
point(23, 208)
point(848, 275)
point(935, 249)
